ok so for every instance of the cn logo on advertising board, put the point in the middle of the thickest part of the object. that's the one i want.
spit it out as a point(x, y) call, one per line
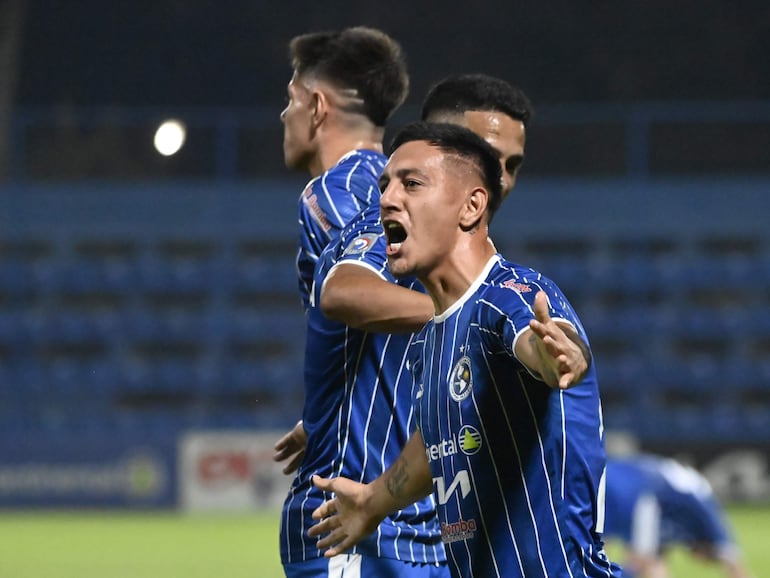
point(230, 471)
point(223, 466)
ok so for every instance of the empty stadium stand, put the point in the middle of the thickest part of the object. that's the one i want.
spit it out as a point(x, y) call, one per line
point(154, 309)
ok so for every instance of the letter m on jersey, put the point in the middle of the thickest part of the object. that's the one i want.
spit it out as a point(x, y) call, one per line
point(444, 493)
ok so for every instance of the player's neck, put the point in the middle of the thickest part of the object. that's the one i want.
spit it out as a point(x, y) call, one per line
point(449, 282)
point(336, 145)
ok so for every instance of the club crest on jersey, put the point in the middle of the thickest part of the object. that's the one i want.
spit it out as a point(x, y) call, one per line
point(361, 244)
point(461, 382)
point(518, 287)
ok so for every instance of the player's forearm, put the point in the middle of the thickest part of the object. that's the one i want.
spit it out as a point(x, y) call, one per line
point(406, 481)
point(359, 298)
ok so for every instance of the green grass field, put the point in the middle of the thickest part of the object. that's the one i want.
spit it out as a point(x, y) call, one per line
point(152, 545)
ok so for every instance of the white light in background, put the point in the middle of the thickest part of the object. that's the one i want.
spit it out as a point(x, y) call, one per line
point(170, 137)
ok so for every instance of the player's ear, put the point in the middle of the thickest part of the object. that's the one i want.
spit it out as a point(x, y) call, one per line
point(475, 208)
point(319, 104)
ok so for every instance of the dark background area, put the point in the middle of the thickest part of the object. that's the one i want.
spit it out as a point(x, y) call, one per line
point(619, 89)
point(233, 53)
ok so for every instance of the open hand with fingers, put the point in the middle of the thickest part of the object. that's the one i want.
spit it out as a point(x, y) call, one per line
point(564, 355)
point(345, 519)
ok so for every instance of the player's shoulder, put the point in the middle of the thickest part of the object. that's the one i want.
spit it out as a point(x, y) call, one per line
point(368, 156)
point(366, 222)
point(507, 278)
point(360, 163)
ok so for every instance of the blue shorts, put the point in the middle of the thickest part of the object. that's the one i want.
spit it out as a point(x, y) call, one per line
point(358, 566)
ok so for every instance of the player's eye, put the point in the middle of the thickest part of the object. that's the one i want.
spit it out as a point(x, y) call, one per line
point(513, 164)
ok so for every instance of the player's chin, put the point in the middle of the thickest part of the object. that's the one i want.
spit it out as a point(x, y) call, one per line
point(398, 266)
point(290, 158)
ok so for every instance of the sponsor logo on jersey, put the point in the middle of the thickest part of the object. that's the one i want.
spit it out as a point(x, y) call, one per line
point(361, 244)
point(518, 287)
point(468, 442)
point(441, 450)
point(456, 531)
point(461, 482)
point(461, 382)
point(310, 200)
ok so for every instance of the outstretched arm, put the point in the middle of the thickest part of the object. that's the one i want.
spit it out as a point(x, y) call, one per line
point(552, 348)
point(360, 298)
point(291, 447)
point(357, 509)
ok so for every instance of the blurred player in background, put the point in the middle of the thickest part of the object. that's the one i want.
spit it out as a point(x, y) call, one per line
point(345, 86)
point(515, 464)
point(369, 404)
point(654, 503)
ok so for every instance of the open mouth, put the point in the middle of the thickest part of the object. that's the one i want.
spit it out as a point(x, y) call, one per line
point(395, 234)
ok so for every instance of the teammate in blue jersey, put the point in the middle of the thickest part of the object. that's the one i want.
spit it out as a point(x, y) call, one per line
point(654, 503)
point(344, 87)
point(509, 434)
point(358, 393)
point(357, 417)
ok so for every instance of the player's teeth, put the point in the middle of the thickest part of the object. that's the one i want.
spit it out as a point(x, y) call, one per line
point(395, 246)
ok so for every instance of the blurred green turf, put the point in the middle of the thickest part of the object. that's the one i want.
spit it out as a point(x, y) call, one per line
point(751, 525)
point(169, 545)
point(138, 545)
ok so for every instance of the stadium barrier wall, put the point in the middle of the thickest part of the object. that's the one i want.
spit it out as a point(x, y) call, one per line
point(87, 473)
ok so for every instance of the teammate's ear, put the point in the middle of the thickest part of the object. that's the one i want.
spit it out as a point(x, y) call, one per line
point(319, 107)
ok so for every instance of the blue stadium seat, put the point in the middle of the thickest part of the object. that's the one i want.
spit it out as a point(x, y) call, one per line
point(93, 276)
point(266, 275)
point(175, 277)
point(16, 277)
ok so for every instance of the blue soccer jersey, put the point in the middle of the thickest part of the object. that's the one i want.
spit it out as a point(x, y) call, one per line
point(653, 503)
point(328, 202)
point(517, 466)
point(358, 413)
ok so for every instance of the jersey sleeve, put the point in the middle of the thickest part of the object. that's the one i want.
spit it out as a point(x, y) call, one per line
point(510, 305)
point(331, 201)
point(328, 204)
point(363, 243)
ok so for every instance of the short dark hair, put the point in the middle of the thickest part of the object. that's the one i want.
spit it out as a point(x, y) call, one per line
point(465, 92)
point(458, 140)
point(359, 58)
